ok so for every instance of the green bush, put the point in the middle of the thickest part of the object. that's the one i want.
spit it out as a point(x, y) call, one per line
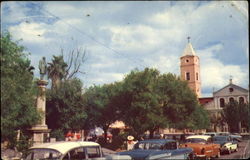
point(58, 134)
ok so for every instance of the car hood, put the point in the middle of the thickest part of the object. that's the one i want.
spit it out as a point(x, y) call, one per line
point(142, 154)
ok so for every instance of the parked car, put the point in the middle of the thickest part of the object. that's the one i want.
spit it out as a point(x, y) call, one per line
point(223, 133)
point(211, 133)
point(69, 150)
point(227, 144)
point(180, 137)
point(65, 151)
point(236, 137)
point(203, 146)
point(158, 149)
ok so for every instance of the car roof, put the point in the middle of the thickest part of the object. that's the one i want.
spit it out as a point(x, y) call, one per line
point(205, 137)
point(210, 133)
point(64, 146)
point(221, 136)
point(157, 140)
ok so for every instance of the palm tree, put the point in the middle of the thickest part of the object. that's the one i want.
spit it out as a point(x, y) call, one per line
point(57, 70)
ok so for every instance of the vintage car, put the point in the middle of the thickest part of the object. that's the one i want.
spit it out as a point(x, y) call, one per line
point(236, 137)
point(65, 151)
point(227, 143)
point(180, 137)
point(70, 150)
point(158, 149)
point(211, 133)
point(203, 146)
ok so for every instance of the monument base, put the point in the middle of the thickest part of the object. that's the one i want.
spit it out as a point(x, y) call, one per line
point(40, 134)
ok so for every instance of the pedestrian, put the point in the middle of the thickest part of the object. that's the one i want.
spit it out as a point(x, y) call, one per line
point(130, 142)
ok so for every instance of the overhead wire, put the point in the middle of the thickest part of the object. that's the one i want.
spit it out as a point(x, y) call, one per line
point(92, 38)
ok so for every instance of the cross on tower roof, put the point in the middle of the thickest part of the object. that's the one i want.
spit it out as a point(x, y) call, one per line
point(188, 39)
point(231, 79)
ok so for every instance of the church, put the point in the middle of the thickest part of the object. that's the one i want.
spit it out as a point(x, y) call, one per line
point(190, 71)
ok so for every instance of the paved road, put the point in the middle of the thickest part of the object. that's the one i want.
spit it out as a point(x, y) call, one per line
point(243, 153)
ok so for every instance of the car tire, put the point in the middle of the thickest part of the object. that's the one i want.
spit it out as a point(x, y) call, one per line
point(190, 156)
point(236, 150)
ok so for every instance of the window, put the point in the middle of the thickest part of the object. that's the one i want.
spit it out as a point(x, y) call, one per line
point(222, 102)
point(187, 76)
point(93, 152)
point(241, 100)
point(170, 145)
point(231, 100)
point(197, 76)
point(231, 89)
point(76, 154)
point(45, 154)
point(187, 60)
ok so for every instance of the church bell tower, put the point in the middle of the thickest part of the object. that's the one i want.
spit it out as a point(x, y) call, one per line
point(190, 68)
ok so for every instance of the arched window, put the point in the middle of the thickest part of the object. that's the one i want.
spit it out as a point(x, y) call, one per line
point(231, 100)
point(222, 102)
point(241, 100)
point(197, 76)
point(187, 76)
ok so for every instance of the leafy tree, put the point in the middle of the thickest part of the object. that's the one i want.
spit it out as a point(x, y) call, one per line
point(143, 109)
point(179, 101)
point(217, 121)
point(18, 110)
point(101, 104)
point(65, 107)
point(236, 114)
point(199, 118)
point(57, 70)
point(64, 69)
point(154, 101)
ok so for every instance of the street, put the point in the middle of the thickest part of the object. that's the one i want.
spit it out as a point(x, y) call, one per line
point(243, 152)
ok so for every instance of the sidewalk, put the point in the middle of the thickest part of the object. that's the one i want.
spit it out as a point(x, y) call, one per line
point(246, 153)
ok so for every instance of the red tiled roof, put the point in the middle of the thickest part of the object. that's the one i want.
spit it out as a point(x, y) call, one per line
point(205, 100)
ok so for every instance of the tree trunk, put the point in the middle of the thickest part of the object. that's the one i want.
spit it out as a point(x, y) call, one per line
point(239, 126)
point(86, 132)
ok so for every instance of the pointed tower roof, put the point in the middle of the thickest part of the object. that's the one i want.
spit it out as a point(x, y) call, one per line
point(189, 51)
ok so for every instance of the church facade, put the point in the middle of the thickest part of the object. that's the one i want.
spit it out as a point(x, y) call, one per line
point(215, 104)
point(190, 71)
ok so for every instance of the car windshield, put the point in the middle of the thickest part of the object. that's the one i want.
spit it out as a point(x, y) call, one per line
point(43, 154)
point(146, 146)
point(219, 138)
point(196, 140)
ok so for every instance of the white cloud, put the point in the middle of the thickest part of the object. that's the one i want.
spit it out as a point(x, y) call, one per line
point(153, 38)
point(104, 78)
point(164, 64)
point(29, 32)
point(216, 74)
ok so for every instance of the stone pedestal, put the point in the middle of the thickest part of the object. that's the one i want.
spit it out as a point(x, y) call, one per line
point(40, 131)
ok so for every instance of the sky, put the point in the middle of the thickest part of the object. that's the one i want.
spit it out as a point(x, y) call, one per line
point(119, 36)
